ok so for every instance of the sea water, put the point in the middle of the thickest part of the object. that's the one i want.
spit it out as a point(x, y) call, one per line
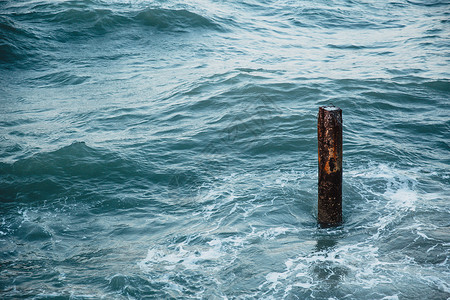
point(168, 149)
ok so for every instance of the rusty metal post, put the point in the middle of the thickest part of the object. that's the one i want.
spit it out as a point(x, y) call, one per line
point(329, 135)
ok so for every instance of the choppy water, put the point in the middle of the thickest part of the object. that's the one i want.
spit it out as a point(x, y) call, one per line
point(167, 149)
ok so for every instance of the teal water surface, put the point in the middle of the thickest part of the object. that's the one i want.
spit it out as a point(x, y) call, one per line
point(167, 149)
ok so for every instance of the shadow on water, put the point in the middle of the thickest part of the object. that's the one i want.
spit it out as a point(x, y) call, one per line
point(325, 244)
point(328, 267)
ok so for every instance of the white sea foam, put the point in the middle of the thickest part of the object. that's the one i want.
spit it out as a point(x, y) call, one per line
point(395, 197)
point(362, 265)
point(355, 265)
point(352, 266)
point(394, 297)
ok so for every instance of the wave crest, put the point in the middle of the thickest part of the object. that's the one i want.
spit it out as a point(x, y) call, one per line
point(177, 20)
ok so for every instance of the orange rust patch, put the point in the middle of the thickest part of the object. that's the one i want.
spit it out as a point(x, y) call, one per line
point(332, 155)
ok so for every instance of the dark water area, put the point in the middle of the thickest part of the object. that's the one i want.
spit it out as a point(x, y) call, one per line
point(168, 149)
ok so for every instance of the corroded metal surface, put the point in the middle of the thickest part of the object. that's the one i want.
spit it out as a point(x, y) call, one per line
point(329, 134)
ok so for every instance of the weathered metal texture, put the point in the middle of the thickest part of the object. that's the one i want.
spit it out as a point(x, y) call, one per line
point(329, 134)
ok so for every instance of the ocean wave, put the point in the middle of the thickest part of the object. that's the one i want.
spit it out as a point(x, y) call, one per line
point(350, 16)
point(58, 173)
point(16, 40)
point(32, 34)
point(174, 20)
point(75, 160)
point(96, 19)
point(57, 79)
point(429, 2)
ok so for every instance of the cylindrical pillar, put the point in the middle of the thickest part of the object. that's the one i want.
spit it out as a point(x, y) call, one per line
point(329, 135)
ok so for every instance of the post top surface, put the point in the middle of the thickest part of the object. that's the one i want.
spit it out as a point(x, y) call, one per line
point(330, 108)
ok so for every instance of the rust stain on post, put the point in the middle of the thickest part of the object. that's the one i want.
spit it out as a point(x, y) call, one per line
point(329, 135)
